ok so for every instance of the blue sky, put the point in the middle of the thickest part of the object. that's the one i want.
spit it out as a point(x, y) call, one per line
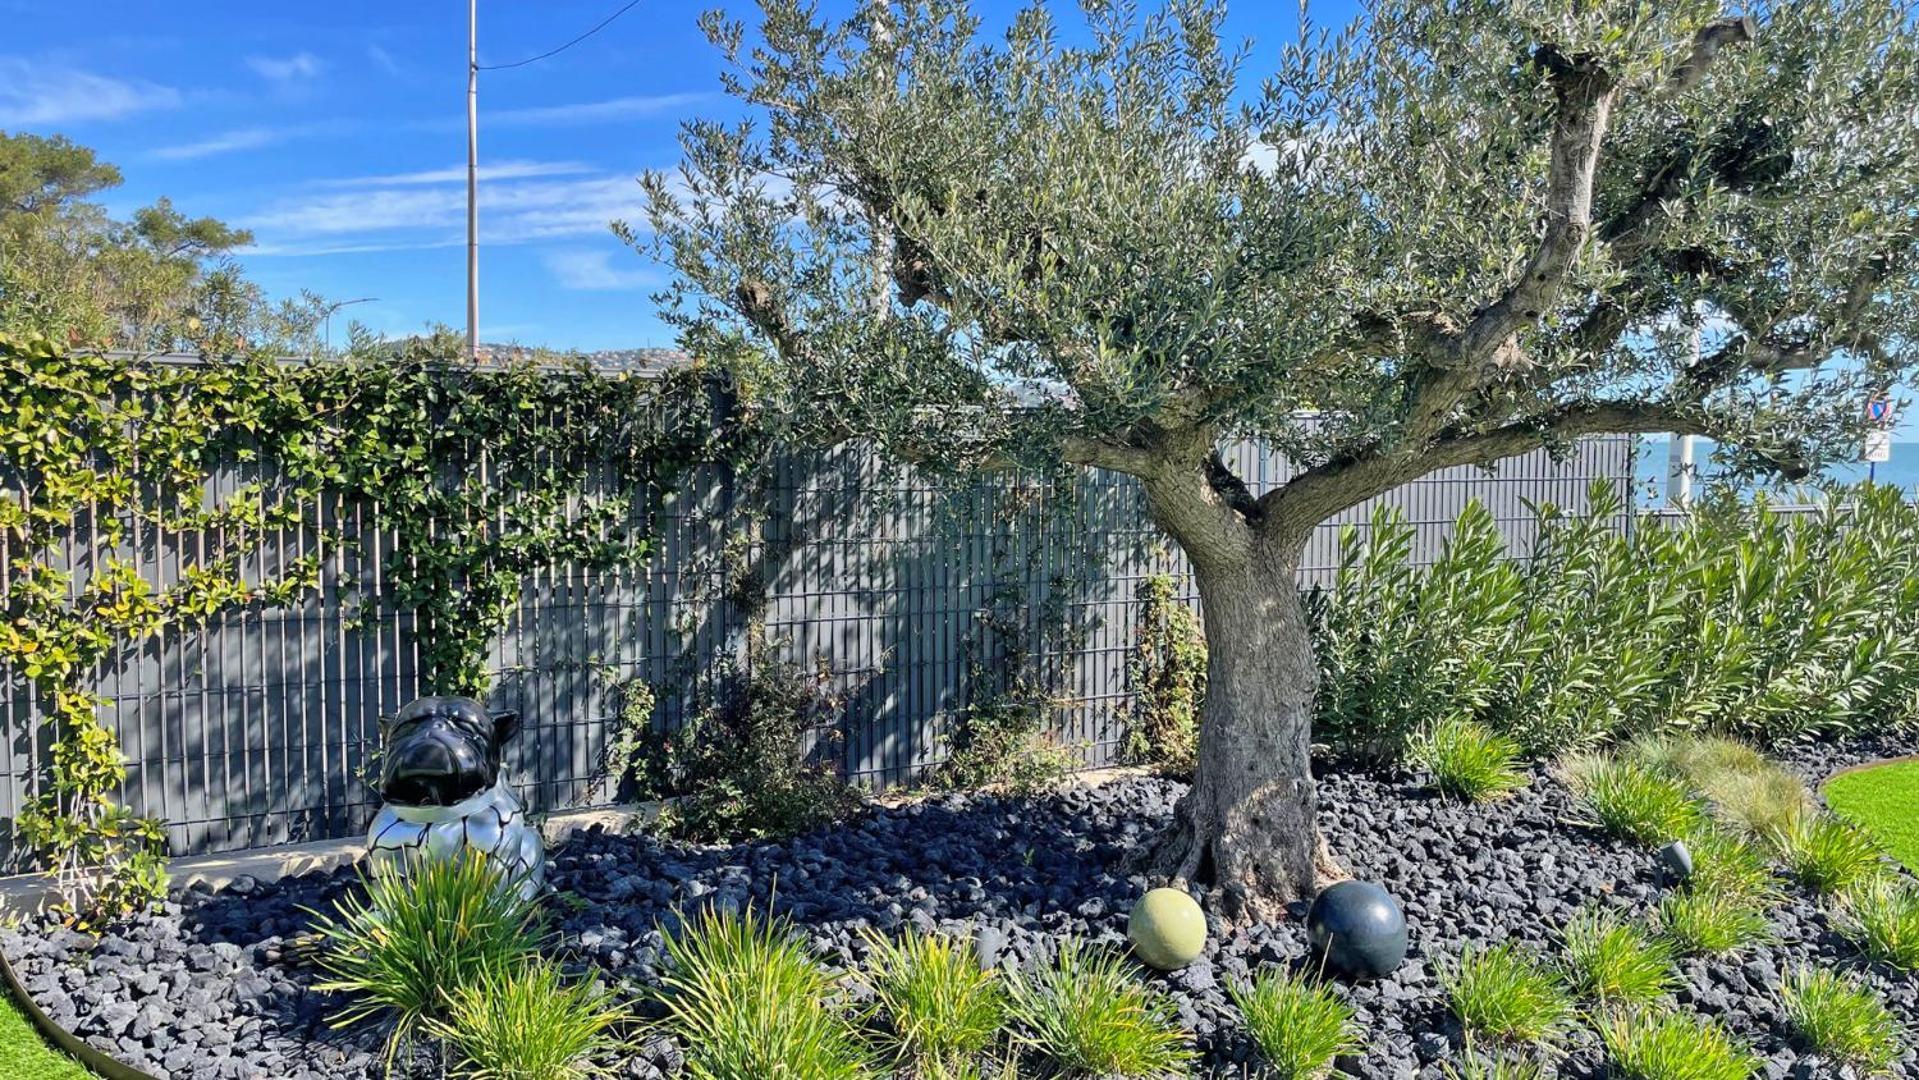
point(336, 132)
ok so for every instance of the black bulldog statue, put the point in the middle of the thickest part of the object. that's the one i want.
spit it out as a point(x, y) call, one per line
point(445, 792)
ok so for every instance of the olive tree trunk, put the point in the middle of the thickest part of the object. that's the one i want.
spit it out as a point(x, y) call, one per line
point(1248, 827)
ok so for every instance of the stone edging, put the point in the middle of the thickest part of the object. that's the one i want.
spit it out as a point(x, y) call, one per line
point(1901, 760)
point(108, 1067)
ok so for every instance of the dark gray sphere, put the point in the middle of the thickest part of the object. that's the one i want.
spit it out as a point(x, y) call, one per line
point(1357, 928)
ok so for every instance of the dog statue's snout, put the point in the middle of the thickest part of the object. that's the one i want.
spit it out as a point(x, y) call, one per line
point(435, 767)
point(441, 750)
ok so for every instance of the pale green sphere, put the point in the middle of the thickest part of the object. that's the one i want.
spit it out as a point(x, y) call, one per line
point(1168, 930)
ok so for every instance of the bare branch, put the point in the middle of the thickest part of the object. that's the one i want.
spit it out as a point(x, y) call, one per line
point(1714, 36)
point(1585, 92)
point(1322, 491)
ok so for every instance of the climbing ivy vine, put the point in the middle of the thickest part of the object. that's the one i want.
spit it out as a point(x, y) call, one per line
point(480, 474)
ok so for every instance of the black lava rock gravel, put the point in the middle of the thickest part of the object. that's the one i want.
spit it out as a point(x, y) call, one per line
point(205, 989)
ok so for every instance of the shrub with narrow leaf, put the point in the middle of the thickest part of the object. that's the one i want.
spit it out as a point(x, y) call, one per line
point(1841, 1020)
point(1614, 961)
point(1653, 1045)
point(939, 1008)
point(747, 1001)
point(1734, 617)
point(1503, 994)
point(1881, 916)
point(1298, 1026)
point(1089, 1014)
point(527, 1023)
point(1468, 761)
point(413, 934)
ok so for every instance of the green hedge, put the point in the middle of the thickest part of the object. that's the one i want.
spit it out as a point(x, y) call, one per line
point(1735, 617)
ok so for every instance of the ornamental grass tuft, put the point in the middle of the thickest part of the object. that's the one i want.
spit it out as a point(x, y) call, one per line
point(414, 933)
point(1727, 863)
point(940, 1009)
point(527, 1024)
point(1633, 801)
point(748, 1001)
point(1469, 761)
point(1842, 1021)
point(1705, 921)
point(1649, 1045)
point(1299, 1027)
point(1503, 994)
point(1089, 1015)
point(1746, 789)
point(1881, 916)
point(1612, 960)
point(1827, 855)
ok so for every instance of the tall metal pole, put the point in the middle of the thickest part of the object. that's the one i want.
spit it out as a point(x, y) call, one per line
point(473, 179)
point(1681, 462)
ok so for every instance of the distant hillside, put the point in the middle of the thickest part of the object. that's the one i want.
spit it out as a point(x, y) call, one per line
point(635, 361)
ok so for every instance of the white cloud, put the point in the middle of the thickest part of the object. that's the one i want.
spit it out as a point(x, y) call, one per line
point(302, 65)
point(224, 143)
point(501, 170)
point(530, 201)
point(33, 93)
point(594, 112)
point(383, 58)
point(594, 271)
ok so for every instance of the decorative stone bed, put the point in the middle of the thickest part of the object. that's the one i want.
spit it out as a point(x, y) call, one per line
point(205, 989)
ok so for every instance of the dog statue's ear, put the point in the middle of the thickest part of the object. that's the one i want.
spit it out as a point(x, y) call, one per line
point(506, 724)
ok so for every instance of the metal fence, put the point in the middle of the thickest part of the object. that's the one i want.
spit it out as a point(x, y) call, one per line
point(257, 729)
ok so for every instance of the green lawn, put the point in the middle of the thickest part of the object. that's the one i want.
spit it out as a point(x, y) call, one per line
point(1885, 801)
point(23, 1053)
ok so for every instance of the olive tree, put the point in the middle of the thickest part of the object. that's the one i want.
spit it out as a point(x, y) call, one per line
point(1446, 235)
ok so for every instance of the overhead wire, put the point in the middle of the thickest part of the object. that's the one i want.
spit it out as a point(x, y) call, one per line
point(603, 24)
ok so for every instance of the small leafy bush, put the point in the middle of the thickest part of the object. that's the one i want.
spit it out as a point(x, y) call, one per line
point(1299, 1027)
point(1827, 855)
point(1881, 916)
point(1506, 995)
point(1167, 673)
point(1468, 761)
point(1842, 1021)
point(940, 1008)
point(748, 1002)
point(1634, 802)
point(1614, 961)
point(414, 934)
point(1703, 921)
point(1649, 1045)
point(527, 1024)
point(1088, 1014)
point(740, 767)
